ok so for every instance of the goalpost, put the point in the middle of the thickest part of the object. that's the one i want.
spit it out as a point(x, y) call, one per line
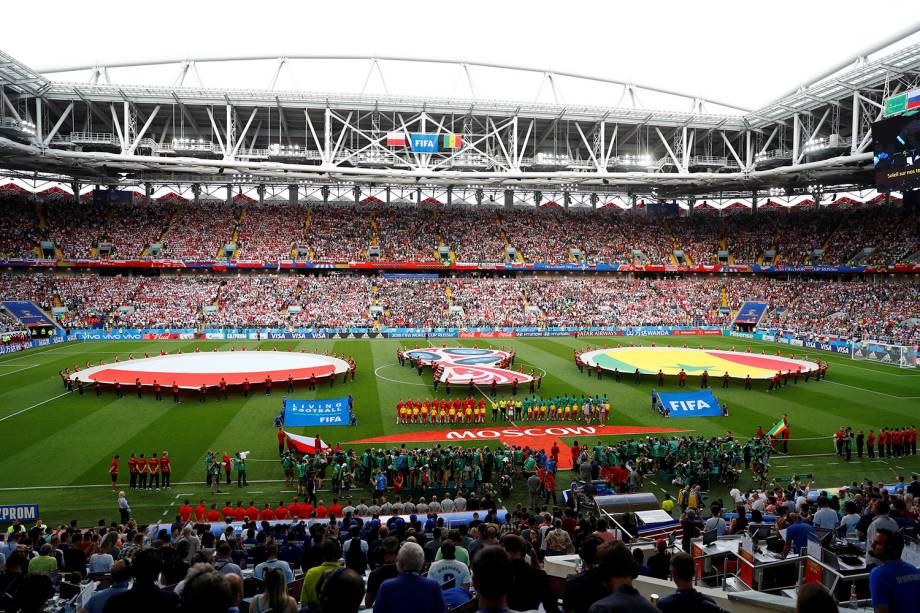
point(902, 356)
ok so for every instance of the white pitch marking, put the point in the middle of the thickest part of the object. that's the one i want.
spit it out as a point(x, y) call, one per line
point(12, 372)
point(873, 391)
point(11, 415)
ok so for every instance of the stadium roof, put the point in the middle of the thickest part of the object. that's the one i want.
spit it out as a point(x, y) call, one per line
point(259, 117)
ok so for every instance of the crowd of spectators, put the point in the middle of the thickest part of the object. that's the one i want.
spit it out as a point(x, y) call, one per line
point(270, 231)
point(198, 232)
point(348, 231)
point(866, 309)
point(401, 545)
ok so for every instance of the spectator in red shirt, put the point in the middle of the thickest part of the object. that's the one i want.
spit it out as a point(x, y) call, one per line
point(266, 514)
point(239, 513)
point(228, 512)
point(335, 509)
point(213, 514)
point(201, 512)
point(321, 511)
point(252, 511)
point(294, 509)
point(306, 510)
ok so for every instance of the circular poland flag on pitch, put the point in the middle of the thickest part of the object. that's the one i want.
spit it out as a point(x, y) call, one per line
point(192, 370)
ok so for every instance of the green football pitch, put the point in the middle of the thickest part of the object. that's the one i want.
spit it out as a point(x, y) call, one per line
point(55, 447)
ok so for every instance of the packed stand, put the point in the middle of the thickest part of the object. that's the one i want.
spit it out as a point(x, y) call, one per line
point(270, 231)
point(197, 232)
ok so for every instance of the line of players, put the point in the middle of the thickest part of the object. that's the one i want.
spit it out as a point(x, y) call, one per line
point(145, 473)
point(469, 411)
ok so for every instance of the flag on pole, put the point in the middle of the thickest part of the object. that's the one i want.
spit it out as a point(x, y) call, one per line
point(396, 139)
point(305, 444)
point(777, 429)
point(452, 141)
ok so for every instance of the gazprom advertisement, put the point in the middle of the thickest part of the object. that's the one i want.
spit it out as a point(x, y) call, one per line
point(420, 142)
point(690, 404)
point(329, 412)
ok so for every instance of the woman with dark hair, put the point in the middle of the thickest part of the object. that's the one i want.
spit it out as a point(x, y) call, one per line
point(739, 523)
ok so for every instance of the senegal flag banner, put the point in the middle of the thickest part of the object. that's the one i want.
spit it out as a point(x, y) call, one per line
point(452, 141)
point(777, 429)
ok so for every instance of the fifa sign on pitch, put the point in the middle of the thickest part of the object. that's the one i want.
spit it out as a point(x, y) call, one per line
point(690, 404)
point(420, 142)
point(330, 412)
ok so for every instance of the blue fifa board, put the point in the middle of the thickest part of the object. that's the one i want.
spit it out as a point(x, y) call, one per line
point(690, 404)
point(421, 142)
point(751, 313)
point(22, 512)
point(329, 412)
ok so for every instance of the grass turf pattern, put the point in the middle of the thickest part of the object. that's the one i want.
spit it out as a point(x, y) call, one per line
point(56, 447)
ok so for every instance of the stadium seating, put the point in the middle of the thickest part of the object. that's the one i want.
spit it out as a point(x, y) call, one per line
point(858, 308)
point(871, 234)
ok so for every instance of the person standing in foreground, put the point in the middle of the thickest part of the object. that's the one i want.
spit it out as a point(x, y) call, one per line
point(618, 569)
point(894, 584)
point(124, 509)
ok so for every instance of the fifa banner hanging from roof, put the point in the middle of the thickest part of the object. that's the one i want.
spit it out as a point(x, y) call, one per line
point(329, 412)
point(420, 142)
point(690, 404)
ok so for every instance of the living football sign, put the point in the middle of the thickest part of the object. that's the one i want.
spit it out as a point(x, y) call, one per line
point(690, 404)
point(330, 412)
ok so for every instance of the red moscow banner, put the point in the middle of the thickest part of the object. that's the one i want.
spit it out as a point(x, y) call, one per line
point(535, 437)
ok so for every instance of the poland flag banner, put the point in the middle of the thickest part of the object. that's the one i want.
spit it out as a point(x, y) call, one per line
point(305, 444)
point(396, 139)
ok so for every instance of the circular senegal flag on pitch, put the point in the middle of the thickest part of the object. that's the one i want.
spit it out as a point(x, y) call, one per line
point(671, 360)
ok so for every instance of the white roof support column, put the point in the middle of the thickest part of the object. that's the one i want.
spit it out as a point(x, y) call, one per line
point(242, 137)
point(140, 135)
point(854, 127)
point(9, 105)
point(664, 142)
point(220, 141)
point(38, 119)
point(796, 138)
point(57, 126)
point(117, 124)
point(731, 150)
